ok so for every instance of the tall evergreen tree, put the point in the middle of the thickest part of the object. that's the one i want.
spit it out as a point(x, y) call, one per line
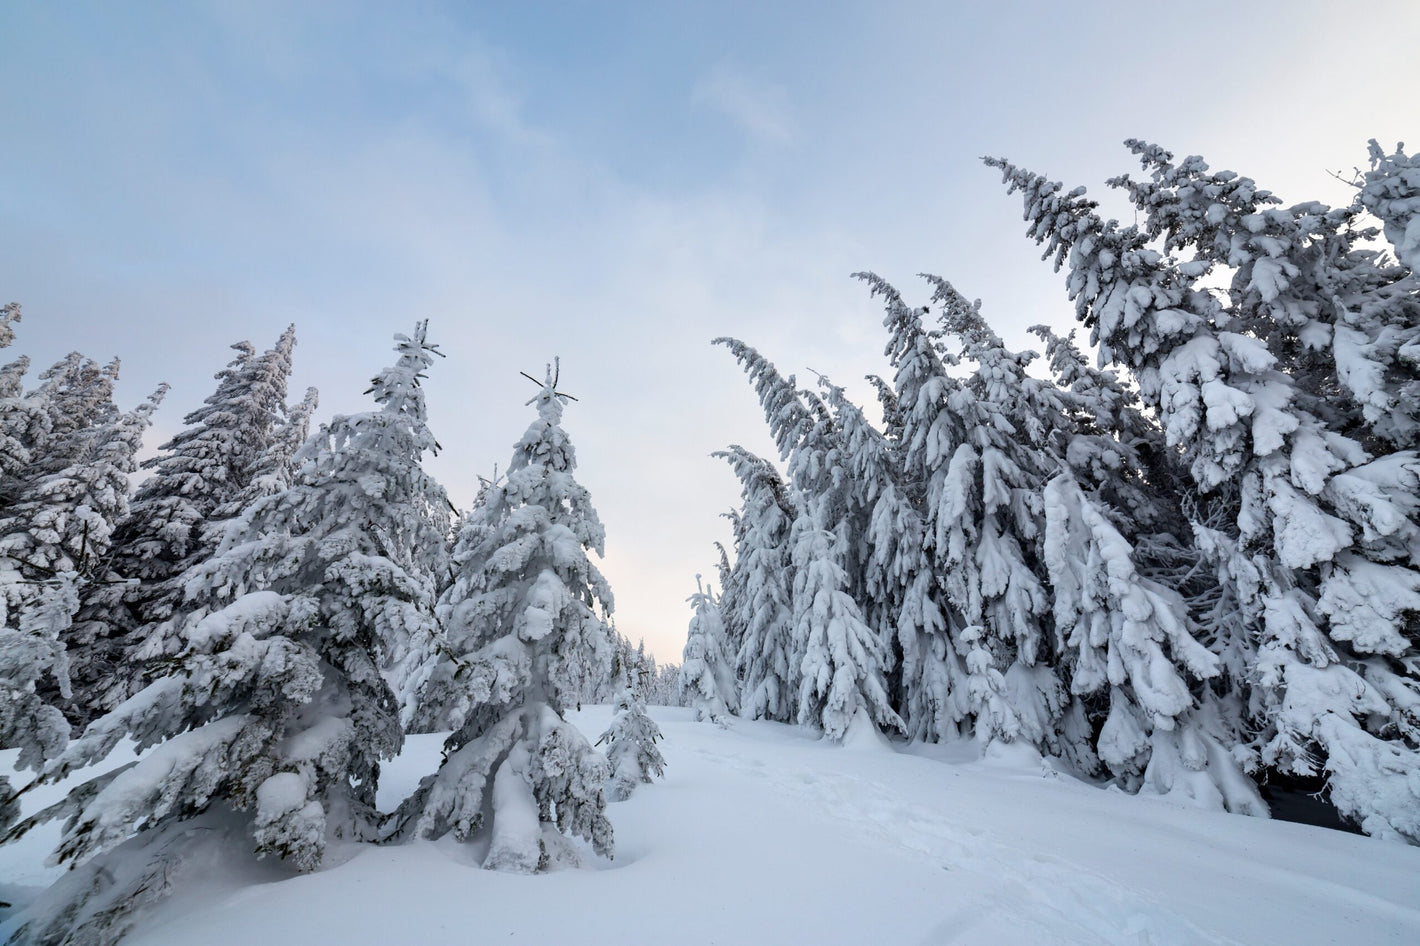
point(174, 524)
point(1131, 637)
point(526, 627)
point(664, 687)
point(51, 542)
point(75, 398)
point(270, 726)
point(22, 420)
point(1280, 395)
point(1118, 501)
point(842, 674)
point(994, 575)
point(820, 454)
point(274, 470)
point(932, 679)
point(707, 677)
point(768, 658)
point(892, 535)
point(733, 609)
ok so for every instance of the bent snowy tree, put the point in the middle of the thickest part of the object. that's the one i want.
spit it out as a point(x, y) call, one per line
point(1292, 399)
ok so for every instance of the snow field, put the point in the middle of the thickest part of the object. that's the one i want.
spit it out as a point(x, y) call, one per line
point(763, 834)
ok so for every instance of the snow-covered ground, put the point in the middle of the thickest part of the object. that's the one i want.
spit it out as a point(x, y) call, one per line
point(761, 834)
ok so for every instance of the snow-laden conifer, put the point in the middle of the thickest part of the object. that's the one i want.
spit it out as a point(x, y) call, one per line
point(631, 746)
point(269, 728)
point(51, 543)
point(990, 554)
point(820, 453)
point(9, 314)
point(733, 597)
point(1277, 395)
point(1114, 518)
point(75, 397)
point(842, 674)
point(895, 563)
point(526, 627)
point(64, 522)
point(768, 657)
point(933, 697)
point(1132, 638)
point(174, 521)
point(23, 422)
point(626, 670)
point(707, 676)
point(1389, 191)
point(786, 413)
point(275, 469)
point(18, 416)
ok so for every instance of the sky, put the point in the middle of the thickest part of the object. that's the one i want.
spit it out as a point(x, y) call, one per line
point(615, 184)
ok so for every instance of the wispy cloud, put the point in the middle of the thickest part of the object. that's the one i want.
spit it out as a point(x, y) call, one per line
point(759, 108)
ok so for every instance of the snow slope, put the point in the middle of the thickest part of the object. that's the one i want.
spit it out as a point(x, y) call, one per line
point(761, 834)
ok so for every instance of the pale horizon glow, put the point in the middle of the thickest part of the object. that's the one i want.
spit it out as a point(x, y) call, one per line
point(614, 184)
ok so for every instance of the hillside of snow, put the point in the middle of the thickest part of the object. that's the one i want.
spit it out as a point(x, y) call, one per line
point(763, 834)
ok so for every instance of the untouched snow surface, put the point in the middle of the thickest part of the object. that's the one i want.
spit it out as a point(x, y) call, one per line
point(762, 834)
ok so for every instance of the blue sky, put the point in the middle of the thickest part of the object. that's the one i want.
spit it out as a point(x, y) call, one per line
point(615, 184)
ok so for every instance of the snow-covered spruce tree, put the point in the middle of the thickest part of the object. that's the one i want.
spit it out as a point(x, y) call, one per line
point(75, 396)
point(633, 668)
point(23, 422)
point(623, 672)
point(631, 746)
point(65, 493)
point(734, 611)
point(526, 627)
point(842, 674)
point(275, 470)
point(1389, 190)
point(843, 664)
point(1131, 637)
point(9, 314)
point(707, 676)
point(931, 676)
point(817, 452)
point(1138, 614)
point(895, 564)
point(173, 524)
point(829, 500)
point(644, 672)
point(439, 702)
point(17, 419)
point(1275, 392)
point(1085, 425)
point(1124, 585)
point(937, 689)
point(768, 659)
point(987, 545)
point(405, 512)
point(785, 412)
point(51, 542)
point(270, 726)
